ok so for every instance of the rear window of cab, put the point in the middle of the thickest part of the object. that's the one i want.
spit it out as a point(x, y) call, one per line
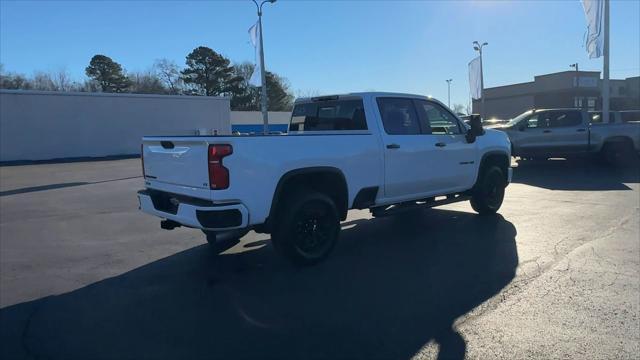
point(333, 115)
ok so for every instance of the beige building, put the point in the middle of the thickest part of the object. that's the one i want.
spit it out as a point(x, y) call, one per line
point(565, 89)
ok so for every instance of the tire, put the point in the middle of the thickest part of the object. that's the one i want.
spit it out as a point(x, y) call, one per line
point(489, 191)
point(307, 228)
point(617, 153)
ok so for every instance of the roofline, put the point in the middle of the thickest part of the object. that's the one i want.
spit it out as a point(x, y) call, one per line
point(568, 71)
point(363, 94)
point(543, 75)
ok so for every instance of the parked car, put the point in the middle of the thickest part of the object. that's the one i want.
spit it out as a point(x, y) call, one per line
point(379, 151)
point(546, 133)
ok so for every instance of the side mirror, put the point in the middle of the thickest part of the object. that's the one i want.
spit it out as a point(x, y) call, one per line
point(476, 128)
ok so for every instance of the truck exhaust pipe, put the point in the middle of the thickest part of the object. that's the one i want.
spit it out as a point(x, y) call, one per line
point(169, 224)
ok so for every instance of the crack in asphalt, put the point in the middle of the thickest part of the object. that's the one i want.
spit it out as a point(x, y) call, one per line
point(517, 285)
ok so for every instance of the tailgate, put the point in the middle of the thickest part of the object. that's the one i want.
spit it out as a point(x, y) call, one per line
point(176, 161)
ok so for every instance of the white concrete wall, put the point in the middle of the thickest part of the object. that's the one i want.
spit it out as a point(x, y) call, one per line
point(255, 117)
point(37, 125)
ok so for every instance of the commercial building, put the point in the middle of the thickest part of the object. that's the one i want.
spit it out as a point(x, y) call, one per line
point(566, 89)
point(43, 125)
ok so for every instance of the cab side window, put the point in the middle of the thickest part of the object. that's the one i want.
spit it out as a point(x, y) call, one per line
point(328, 116)
point(532, 122)
point(438, 119)
point(555, 119)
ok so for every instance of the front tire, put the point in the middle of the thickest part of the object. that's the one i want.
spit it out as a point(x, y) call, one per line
point(489, 191)
point(307, 228)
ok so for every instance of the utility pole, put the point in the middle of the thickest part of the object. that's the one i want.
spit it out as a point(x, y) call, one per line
point(449, 92)
point(263, 97)
point(605, 80)
point(478, 48)
point(576, 84)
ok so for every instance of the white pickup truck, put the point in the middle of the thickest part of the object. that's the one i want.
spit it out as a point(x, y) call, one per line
point(379, 151)
point(546, 133)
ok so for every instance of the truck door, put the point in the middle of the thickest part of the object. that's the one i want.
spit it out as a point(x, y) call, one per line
point(409, 155)
point(419, 161)
point(530, 136)
point(455, 158)
point(567, 131)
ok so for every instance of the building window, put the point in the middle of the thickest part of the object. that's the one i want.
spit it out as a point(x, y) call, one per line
point(577, 102)
point(591, 103)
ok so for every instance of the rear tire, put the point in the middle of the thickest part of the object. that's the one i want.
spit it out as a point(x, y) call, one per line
point(617, 153)
point(489, 191)
point(307, 228)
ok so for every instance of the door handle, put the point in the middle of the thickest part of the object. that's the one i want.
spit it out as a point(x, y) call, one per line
point(581, 130)
point(441, 144)
point(393, 146)
point(546, 131)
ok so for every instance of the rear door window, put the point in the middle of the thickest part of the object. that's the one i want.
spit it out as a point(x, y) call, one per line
point(596, 117)
point(399, 116)
point(329, 116)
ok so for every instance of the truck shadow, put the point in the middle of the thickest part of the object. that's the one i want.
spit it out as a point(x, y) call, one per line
point(392, 286)
point(575, 174)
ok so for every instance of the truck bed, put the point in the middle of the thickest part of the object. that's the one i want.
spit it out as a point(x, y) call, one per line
point(257, 163)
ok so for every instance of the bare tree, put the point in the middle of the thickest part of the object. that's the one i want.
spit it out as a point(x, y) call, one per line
point(169, 73)
point(307, 93)
point(458, 108)
point(43, 81)
point(88, 85)
point(62, 80)
point(146, 83)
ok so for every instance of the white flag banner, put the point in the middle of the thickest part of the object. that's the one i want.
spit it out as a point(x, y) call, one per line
point(254, 36)
point(475, 85)
point(594, 11)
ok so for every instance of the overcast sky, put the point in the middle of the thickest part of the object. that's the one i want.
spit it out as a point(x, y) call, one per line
point(324, 46)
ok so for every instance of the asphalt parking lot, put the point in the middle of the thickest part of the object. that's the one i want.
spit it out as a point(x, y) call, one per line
point(85, 275)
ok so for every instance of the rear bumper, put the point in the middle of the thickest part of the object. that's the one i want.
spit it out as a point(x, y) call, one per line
point(199, 214)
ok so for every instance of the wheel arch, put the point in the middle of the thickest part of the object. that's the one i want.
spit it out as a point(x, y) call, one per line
point(499, 158)
point(617, 140)
point(325, 179)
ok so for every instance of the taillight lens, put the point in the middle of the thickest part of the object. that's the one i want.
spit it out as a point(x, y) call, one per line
point(142, 160)
point(218, 174)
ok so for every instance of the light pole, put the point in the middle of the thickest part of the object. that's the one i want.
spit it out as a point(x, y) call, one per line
point(477, 47)
point(576, 84)
point(263, 97)
point(449, 92)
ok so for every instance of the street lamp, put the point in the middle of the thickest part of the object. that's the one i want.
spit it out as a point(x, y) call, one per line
point(478, 47)
point(576, 84)
point(449, 92)
point(263, 100)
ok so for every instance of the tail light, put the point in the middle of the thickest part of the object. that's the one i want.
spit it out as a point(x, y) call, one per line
point(218, 174)
point(144, 176)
